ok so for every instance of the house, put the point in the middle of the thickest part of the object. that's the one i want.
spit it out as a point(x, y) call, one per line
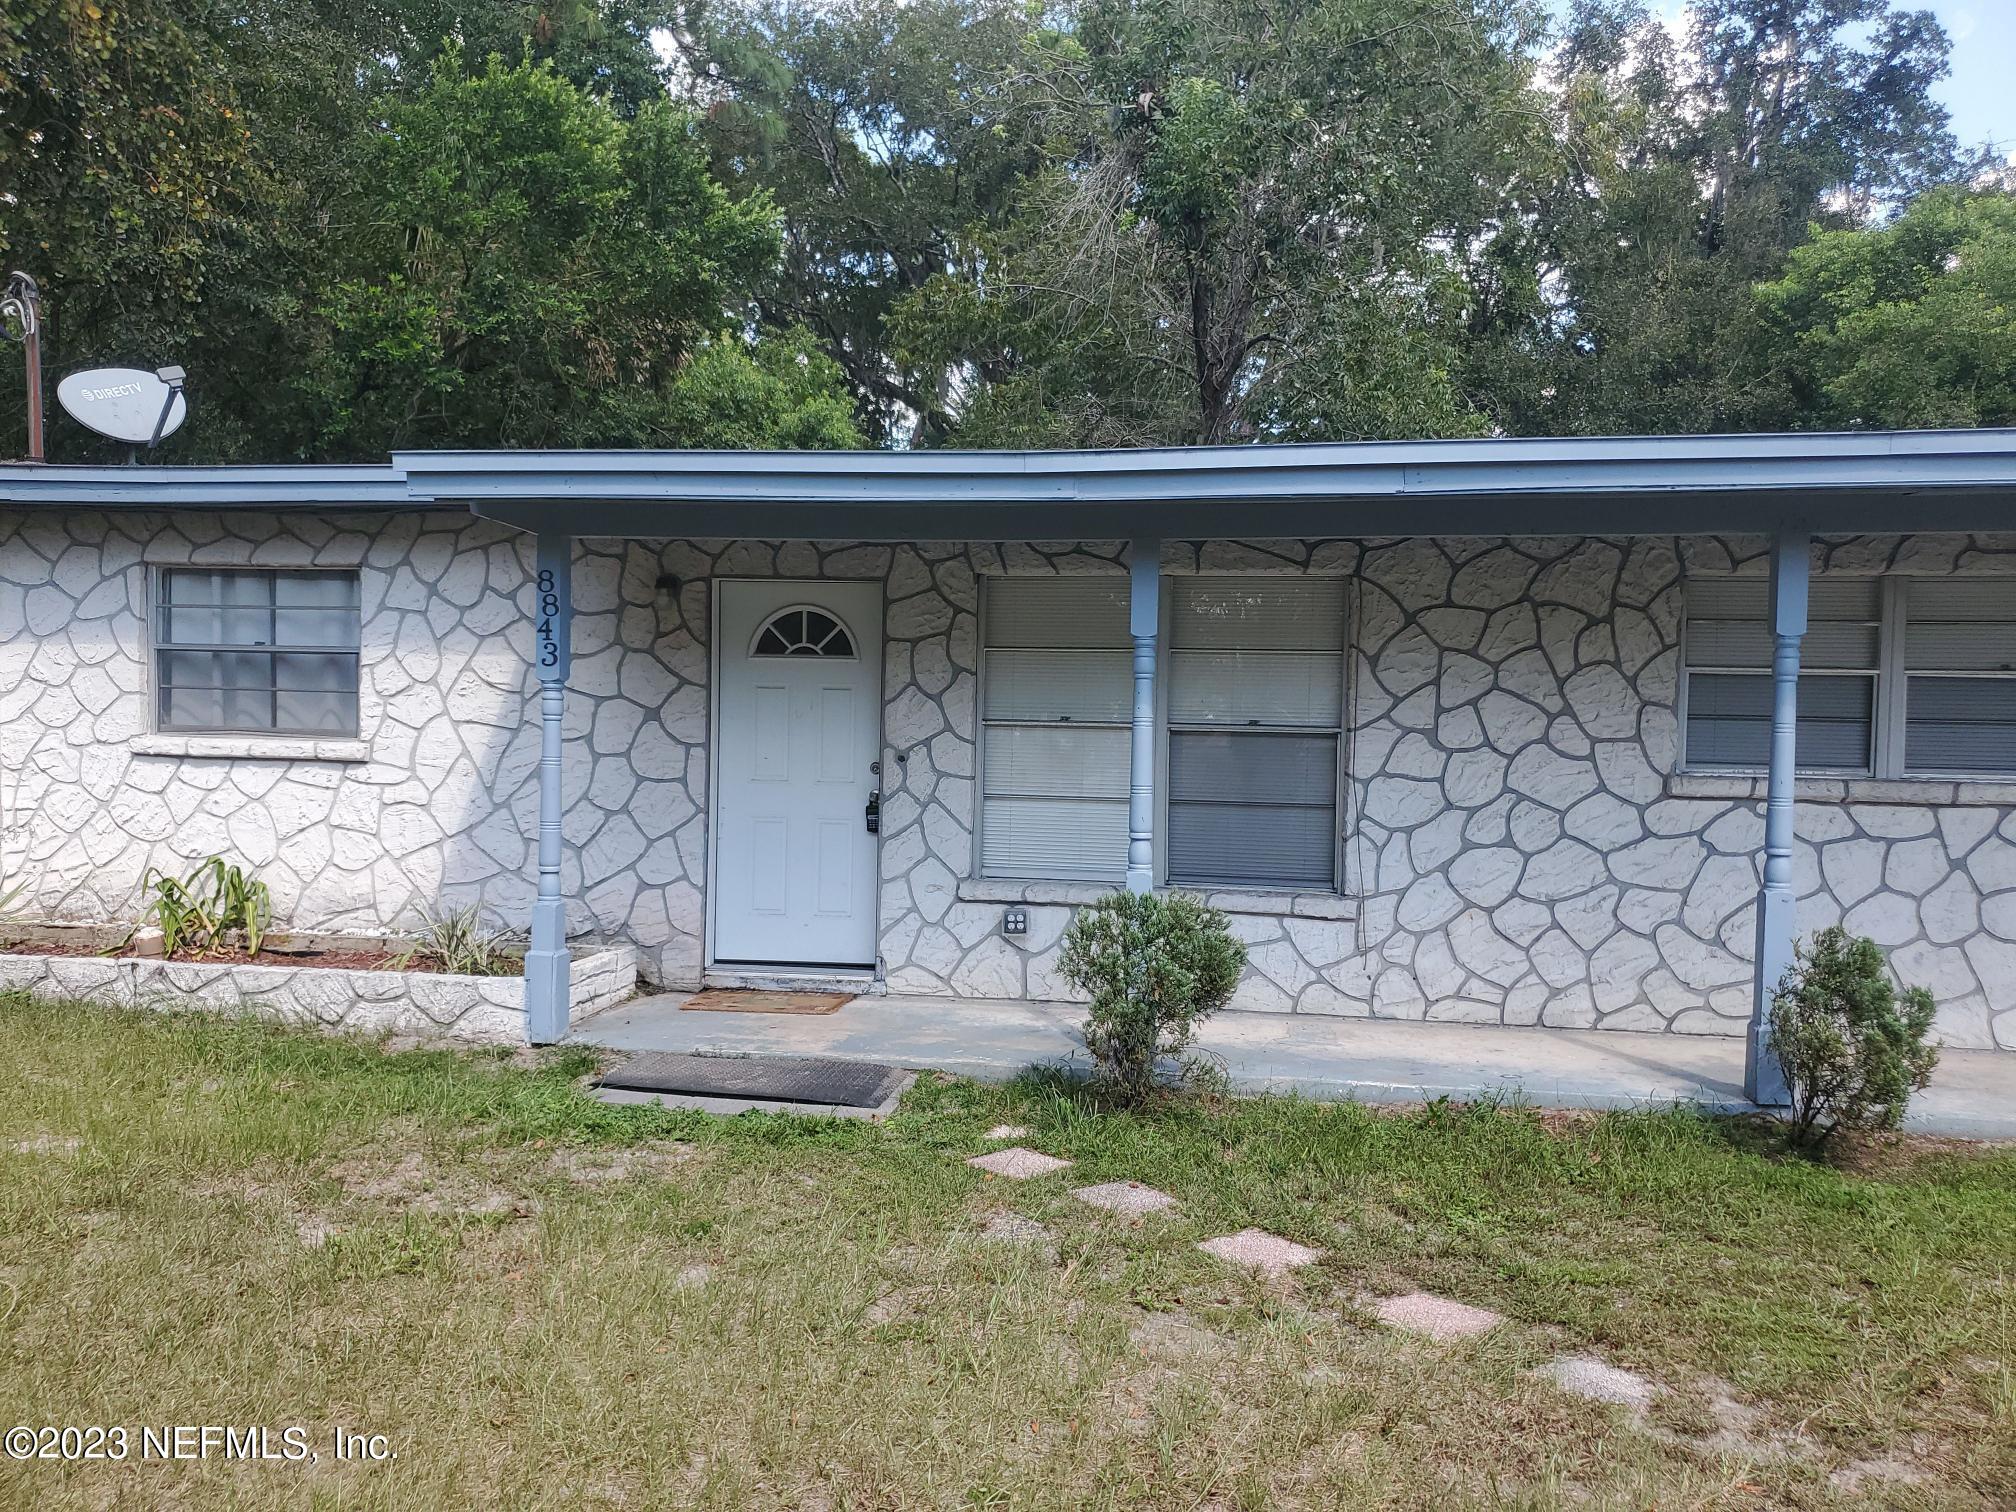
point(1557, 732)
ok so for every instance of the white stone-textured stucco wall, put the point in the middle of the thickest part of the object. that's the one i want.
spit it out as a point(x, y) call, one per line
point(434, 808)
point(1526, 853)
point(1518, 846)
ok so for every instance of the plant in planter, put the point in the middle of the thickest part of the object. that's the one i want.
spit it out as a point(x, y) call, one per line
point(1852, 1046)
point(1155, 967)
point(458, 943)
point(209, 908)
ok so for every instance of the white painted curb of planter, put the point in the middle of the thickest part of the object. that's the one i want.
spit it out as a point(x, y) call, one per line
point(482, 1009)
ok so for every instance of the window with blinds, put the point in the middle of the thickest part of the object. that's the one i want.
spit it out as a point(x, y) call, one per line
point(1729, 690)
point(1057, 699)
point(1960, 675)
point(241, 650)
point(1899, 676)
point(1256, 711)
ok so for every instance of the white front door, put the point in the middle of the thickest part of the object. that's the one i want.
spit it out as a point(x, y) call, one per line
point(794, 870)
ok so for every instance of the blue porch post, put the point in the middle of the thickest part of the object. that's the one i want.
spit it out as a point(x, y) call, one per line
point(1144, 615)
point(1777, 924)
point(546, 962)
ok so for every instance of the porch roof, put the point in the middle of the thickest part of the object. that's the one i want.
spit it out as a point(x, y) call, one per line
point(1843, 482)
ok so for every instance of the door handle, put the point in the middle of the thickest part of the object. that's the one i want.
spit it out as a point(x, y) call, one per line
point(872, 814)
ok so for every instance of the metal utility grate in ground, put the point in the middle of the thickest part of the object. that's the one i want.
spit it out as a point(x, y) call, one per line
point(767, 1078)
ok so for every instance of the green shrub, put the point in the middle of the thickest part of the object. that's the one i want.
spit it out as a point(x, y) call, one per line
point(1852, 1046)
point(212, 905)
point(1155, 966)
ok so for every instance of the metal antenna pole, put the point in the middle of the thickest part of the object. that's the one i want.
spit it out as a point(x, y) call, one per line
point(22, 303)
point(173, 377)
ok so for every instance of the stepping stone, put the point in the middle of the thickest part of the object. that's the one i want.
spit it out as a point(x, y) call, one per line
point(1258, 1250)
point(1437, 1318)
point(691, 1277)
point(1007, 1131)
point(1586, 1376)
point(1175, 1336)
point(1013, 1228)
point(316, 1232)
point(47, 1144)
point(1018, 1163)
point(1129, 1198)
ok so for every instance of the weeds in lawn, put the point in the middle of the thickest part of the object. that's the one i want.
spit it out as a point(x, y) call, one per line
point(665, 1308)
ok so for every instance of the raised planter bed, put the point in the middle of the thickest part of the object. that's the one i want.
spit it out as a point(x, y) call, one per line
point(370, 1000)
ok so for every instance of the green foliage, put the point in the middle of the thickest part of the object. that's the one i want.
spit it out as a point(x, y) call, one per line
point(1852, 1047)
point(1092, 222)
point(1155, 966)
point(1245, 229)
point(779, 392)
point(1685, 171)
point(1909, 324)
point(539, 269)
point(207, 907)
point(458, 943)
point(392, 244)
point(129, 186)
point(882, 131)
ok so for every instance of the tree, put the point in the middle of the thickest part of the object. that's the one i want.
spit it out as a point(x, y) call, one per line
point(877, 128)
point(128, 185)
point(1911, 324)
point(1254, 223)
point(352, 243)
point(1689, 169)
point(781, 392)
point(531, 269)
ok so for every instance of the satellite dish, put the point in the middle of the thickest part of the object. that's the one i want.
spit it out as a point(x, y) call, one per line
point(127, 404)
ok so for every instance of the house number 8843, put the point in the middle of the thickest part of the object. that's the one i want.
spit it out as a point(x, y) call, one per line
point(549, 611)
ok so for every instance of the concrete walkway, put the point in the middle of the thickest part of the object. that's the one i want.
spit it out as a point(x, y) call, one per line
point(1373, 1060)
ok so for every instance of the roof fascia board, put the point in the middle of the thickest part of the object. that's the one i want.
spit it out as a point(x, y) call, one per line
point(1454, 514)
point(163, 487)
point(1337, 472)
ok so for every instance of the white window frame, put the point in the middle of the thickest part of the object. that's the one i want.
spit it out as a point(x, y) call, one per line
point(1165, 728)
point(1895, 705)
point(157, 646)
point(983, 657)
point(1889, 698)
point(1341, 800)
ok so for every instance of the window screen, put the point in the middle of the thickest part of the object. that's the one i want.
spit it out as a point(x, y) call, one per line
point(1256, 705)
point(1729, 688)
point(1057, 699)
point(1960, 671)
point(271, 653)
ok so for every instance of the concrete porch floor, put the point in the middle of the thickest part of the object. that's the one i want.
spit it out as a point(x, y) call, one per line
point(1973, 1095)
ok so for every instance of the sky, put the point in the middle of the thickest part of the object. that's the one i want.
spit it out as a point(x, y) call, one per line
point(1981, 91)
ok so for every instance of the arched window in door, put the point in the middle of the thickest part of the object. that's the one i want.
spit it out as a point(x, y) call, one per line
point(802, 631)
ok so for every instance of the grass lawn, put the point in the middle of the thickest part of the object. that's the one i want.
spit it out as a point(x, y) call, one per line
point(540, 1300)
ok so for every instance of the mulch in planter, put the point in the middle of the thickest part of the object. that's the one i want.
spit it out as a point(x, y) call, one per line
point(373, 959)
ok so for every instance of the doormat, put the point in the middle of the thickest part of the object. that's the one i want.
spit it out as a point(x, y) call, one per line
point(815, 1080)
point(748, 1000)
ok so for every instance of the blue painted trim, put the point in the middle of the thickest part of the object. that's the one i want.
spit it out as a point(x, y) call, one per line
point(1144, 617)
point(1777, 899)
point(1897, 472)
point(548, 967)
point(1885, 460)
point(277, 487)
